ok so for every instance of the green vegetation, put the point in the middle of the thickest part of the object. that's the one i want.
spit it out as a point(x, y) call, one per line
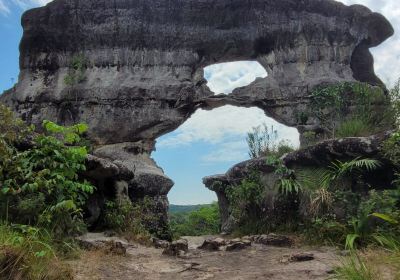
point(202, 221)
point(185, 208)
point(41, 196)
point(32, 253)
point(246, 204)
point(352, 109)
point(129, 219)
point(40, 185)
point(354, 268)
point(263, 141)
point(76, 72)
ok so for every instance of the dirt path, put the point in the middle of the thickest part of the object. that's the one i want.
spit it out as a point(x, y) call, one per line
point(255, 262)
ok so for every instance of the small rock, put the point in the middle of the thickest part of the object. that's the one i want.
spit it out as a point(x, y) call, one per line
point(159, 243)
point(110, 233)
point(246, 242)
point(117, 248)
point(177, 248)
point(236, 240)
point(273, 240)
point(95, 241)
point(301, 257)
point(213, 244)
point(247, 238)
point(236, 246)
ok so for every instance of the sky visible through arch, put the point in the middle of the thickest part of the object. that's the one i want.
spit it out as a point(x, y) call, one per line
point(210, 142)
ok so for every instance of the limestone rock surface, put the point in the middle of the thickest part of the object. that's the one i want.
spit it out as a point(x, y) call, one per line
point(133, 69)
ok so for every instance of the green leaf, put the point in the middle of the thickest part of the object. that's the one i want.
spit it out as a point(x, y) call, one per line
point(5, 190)
point(350, 241)
point(40, 254)
point(385, 217)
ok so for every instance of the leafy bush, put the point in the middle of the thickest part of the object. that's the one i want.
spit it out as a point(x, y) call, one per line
point(391, 149)
point(40, 185)
point(287, 183)
point(352, 109)
point(126, 218)
point(203, 221)
point(246, 199)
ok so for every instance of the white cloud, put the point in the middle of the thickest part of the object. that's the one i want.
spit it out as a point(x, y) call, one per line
point(4, 8)
point(222, 123)
point(6, 5)
point(225, 77)
point(234, 151)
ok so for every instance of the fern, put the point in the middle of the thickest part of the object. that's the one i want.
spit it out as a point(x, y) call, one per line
point(289, 185)
point(339, 169)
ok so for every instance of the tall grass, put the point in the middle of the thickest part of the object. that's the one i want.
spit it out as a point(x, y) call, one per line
point(355, 127)
point(354, 268)
point(29, 253)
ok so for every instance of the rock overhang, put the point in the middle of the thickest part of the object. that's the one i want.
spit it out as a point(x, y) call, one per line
point(145, 58)
point(142, 66)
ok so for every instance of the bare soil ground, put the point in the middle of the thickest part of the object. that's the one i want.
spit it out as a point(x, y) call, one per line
point(255, 262)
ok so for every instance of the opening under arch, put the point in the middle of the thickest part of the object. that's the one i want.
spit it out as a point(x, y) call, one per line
point(225, 77)
point(210, 142)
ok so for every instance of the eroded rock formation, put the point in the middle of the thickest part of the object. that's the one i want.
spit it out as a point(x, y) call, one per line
point(133, 69)
point(316, 156)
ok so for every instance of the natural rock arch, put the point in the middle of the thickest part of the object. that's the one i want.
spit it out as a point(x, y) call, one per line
point(136, 66)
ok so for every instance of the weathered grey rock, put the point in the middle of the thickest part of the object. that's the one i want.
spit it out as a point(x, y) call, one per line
point(158, 243)
point(111, 181)
point(321, 154)
point(233, 177)
point(237, 246)
point(214, 244)
point(101, 168)
point(301, 257)
point(143, 66)
point(338, 149)
point(273, 240)
point(114, 245)
point(135, 67)
point(177, 248)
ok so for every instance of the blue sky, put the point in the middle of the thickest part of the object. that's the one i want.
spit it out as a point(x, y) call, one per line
point(210, 141)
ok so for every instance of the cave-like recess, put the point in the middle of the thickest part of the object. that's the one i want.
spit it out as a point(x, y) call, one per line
point(143, 67)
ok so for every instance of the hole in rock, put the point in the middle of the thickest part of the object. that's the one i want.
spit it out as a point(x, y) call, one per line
point(210, 142)
point(225, 77)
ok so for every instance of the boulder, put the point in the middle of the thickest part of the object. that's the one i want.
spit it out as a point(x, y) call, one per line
point(280, 209)
point(237, 246)
point(99, 241)
point(159, 243)
point(214, 244)
point(133, 70)
point(177, 248)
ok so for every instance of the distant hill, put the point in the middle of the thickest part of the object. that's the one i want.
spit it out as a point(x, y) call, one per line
point(185, 208)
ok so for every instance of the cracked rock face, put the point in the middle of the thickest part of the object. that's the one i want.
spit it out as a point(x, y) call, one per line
point(133, 69)
point(317, 156)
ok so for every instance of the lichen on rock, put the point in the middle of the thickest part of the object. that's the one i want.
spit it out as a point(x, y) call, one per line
point(133, 70)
